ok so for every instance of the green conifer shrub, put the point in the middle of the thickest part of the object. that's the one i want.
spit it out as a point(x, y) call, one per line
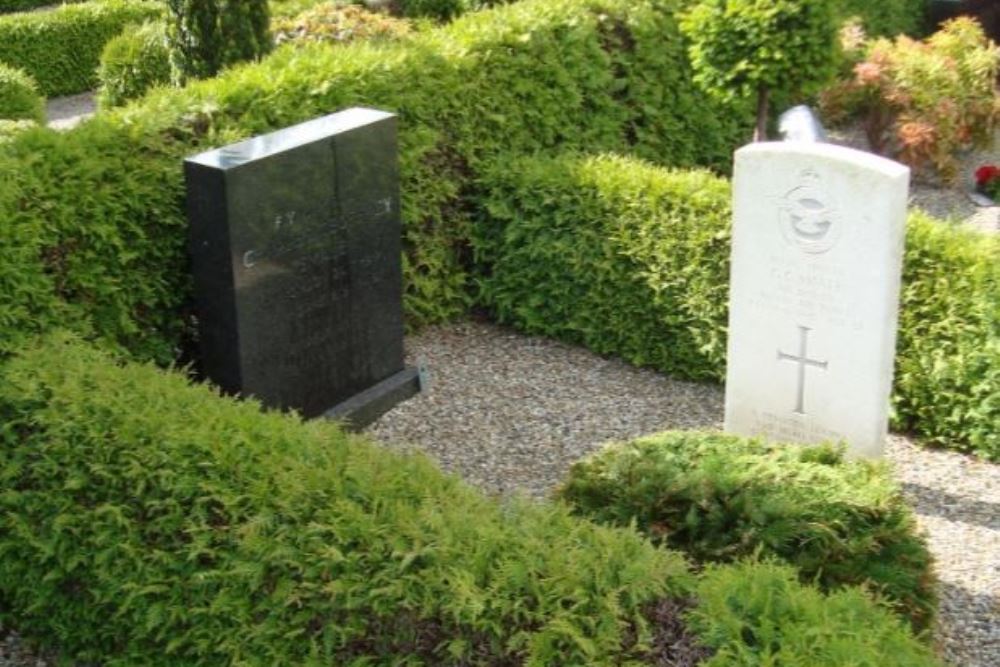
point(19, 98)
point(758, 615)
point(146, 521)
point(61, 47)
point(719, 498)
point(207, 35)
point(886, 18)
point(132, 63)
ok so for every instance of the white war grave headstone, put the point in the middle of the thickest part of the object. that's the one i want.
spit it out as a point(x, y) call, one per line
point(814, 291)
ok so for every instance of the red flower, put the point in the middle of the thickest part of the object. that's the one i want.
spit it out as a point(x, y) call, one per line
point(986, 173)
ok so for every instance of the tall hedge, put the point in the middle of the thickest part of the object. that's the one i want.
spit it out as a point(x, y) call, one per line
point(97, 228)
point(633, 260)
point(144, 521)
point(60, 48)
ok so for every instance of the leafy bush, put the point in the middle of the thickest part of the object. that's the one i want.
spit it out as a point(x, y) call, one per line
point(633, 260)
point(759, 48)
point(60, 48)
point(146, 521)
point(758, 615)
point(207, 35)
point(19, 98)
point(719, 498)
point(614, 254)
point(338, 23)
point(132, 63)
point(885, 18)
point(924, 101)
point(493, 81)
point(948, 350)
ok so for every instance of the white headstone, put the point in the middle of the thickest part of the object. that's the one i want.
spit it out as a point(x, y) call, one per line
point(814, 291)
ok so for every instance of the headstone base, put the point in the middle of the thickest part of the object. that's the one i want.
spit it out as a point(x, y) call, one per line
point(362, 409)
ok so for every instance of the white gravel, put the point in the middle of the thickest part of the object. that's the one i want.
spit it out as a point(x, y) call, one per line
point(64, 113)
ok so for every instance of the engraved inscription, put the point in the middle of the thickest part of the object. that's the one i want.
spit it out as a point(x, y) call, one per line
point(803, 360)
point(808, 220)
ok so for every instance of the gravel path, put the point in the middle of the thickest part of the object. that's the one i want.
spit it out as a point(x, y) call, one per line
point(64, 113)
point(511, 413)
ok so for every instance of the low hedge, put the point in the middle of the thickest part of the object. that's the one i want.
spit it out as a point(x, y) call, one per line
point(98, 227)
point(147, 521)
point(719, 498)
point(19, 98)
point(61, 47)
point(132, 63)
point(633, 260)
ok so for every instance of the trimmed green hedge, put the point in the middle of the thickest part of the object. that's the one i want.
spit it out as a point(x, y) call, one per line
point(948, 350)
point(132, 63)
point(719, 498)
point(527, 77)
point(633, 260)
point(19, 98)
point(61, 48)
point(144, 521)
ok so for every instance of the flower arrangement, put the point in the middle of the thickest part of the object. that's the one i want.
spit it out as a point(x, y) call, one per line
point(988, 181)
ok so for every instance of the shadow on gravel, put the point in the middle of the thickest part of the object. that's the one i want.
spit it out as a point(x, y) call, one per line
point(930, 501)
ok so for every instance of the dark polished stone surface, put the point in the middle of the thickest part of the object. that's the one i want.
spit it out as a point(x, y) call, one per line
point(296, 246)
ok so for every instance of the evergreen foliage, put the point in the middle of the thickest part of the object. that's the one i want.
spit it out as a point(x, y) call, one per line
point(9, 6)
point(758, 615)
point(145, 521)
point(649, 284)
point(719, 498)
point(208, 35)
point(60, 48)
point(19, 98)
point(132, 63)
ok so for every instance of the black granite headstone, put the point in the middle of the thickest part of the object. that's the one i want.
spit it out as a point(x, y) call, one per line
point(296, 253)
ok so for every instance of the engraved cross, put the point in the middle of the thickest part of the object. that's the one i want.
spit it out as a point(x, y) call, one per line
point(802, 361)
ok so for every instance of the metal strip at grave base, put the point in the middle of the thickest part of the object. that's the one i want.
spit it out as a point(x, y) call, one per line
point(362, 409)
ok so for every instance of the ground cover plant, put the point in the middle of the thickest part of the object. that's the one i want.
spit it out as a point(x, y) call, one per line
point(649, 284)
point(148, 521)
point(719, 498)
point(60, 48)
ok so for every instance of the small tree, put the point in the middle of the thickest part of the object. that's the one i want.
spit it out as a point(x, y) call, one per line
point(740, 48)
point(207, 35)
